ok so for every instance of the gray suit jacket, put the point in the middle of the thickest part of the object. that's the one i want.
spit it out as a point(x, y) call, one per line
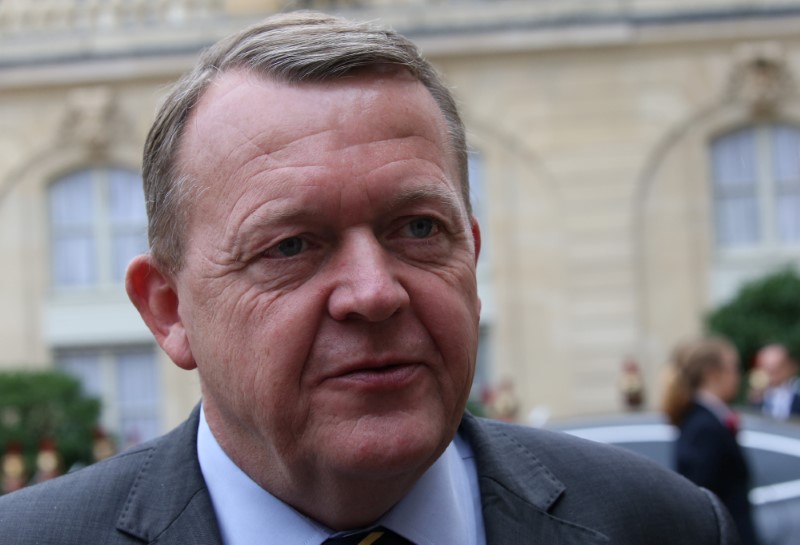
point(537, 487)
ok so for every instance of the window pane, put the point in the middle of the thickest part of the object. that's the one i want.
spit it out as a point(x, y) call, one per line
point(138, 396)
point(99, 224)
point(125, 247)
point(72, 246)
point(737, 221)
point(73, 260)
point(126, 379)
point(127, 198)
point(786, 154)
point(735, 189)
point(477, 197)
point(786, 169)
point(84, 366)
point(128, 220)
point(734, 157)
point(477, 189)
point(788, 215)
point(72, 201)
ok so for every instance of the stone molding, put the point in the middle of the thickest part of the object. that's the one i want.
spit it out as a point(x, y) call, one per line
point(24, 16)
point(760, 77)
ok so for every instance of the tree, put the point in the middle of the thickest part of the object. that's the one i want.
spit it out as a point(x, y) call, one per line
point(764, 311)
point(47, 405)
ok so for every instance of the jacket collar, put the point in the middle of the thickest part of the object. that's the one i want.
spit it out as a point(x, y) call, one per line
point(518, 492)
point(169, 503)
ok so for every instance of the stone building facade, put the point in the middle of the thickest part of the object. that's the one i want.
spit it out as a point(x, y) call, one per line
point(633, 163)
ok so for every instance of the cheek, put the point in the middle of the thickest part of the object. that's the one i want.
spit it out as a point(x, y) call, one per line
point(451, 317)
point(256, 344)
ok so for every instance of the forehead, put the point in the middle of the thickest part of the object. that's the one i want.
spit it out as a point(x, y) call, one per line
point(250, 133)
point(244, 112)
point(772, 356)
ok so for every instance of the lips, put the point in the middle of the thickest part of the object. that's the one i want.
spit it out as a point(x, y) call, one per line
point(373, 375)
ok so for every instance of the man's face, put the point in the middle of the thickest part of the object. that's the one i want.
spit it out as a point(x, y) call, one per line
point(328, 294)
point(774, 360)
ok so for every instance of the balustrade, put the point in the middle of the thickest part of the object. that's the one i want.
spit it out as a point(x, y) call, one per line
point(26, 16)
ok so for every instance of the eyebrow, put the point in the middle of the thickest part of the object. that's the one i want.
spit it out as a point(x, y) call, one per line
point(263, 215)
point(439, 195)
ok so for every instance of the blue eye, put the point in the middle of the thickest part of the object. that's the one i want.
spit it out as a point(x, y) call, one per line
point(291, 246)
point(421, 227)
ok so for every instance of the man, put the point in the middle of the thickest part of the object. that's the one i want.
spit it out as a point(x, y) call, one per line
point(313, 257)
point(781, 397)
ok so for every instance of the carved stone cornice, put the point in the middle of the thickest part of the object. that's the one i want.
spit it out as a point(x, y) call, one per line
point(760, 77)
point(91, 119)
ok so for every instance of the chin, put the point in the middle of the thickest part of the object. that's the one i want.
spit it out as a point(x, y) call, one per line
point(395, 445)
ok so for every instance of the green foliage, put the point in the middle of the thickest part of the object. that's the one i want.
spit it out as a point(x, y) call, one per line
point(764, 311)
point(39, 405)
point(475, 406)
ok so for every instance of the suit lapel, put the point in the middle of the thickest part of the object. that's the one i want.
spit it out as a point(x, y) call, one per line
point(169, 503)
point(518, 492)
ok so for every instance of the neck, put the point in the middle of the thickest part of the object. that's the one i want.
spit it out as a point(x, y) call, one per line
point(354, 505)
point(338, 500)
point(711, 395)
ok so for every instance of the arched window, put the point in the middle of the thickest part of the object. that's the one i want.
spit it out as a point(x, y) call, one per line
point(756, 187)
point(97, 224)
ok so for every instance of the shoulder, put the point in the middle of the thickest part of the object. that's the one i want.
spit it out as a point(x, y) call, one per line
point(97, 492)
point(568, 455)
point(700, 420)
point(89, 502)
point(625, 496)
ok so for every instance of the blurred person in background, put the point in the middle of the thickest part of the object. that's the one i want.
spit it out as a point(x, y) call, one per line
point(781, 396)
point(704, 379)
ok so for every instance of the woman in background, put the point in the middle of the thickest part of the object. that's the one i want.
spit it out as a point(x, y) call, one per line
point(704, 379)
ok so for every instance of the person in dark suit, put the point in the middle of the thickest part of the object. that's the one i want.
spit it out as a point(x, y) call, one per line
point(313, 256)
point(705, 379)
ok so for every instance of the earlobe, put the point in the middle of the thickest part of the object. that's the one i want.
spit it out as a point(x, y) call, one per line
point(155, 298)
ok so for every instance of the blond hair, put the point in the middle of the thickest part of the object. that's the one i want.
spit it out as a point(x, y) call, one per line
point(689, 365)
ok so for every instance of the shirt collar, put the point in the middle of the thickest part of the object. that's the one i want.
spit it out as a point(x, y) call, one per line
point(438, 510)
point(714, 404)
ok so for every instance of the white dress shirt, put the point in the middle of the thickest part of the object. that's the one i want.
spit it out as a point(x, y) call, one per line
point(442, 508)
point(778, 400)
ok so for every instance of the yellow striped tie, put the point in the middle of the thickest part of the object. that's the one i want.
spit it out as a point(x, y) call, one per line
point(376, 536)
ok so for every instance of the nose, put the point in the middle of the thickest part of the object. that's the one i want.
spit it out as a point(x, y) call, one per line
point(366, 287)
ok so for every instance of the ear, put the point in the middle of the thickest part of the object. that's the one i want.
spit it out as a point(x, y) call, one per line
point(154, 296)
point(476, 237)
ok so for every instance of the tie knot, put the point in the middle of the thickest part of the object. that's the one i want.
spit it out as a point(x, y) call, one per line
point(376, 536)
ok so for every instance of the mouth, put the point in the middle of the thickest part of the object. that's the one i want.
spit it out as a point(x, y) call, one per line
point(390, 376)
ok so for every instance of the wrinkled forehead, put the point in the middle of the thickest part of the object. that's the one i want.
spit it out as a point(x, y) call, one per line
point(245, 119)
point(222, 92)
